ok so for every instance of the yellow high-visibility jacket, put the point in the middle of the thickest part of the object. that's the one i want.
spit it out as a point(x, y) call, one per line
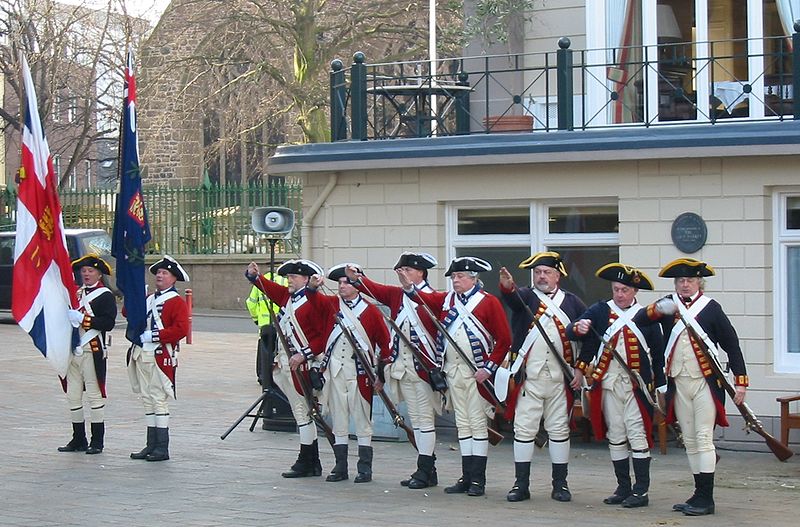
point(258, 303)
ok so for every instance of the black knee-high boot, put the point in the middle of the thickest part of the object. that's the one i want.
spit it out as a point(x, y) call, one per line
point(364, 465)
point(639, 497)
point(78, 442)
point(622, 470)
point(339, 472)
point(98, 433)
point(462, 485)
point(521, 489)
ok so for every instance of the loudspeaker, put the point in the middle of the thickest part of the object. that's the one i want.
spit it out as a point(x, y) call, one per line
point(275, 221)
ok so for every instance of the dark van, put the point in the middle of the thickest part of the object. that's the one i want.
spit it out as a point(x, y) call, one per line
point(79, 243)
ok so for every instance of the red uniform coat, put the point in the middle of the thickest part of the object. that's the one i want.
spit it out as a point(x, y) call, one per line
point(175, 319)
point(392, 296)
point(490, 313)
point(315, 321)
point(376, 331)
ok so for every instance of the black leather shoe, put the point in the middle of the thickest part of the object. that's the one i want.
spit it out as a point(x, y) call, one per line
point(615, 499)
point(460, 487)
point(561, 494)
point(70, 447)
point(698, 510)
point(476, 489)
point(405, 482)
point(518, 494)
point(94, 450)
point(415, 483)
point(337, 476)
point(362, 477)
point(157, 455)
point(680, 507)
point(298, 473)
point(636, 500)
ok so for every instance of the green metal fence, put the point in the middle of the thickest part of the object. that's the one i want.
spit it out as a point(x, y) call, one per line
point(214, 220)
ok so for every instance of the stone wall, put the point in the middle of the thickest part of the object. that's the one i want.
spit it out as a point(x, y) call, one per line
point(170, 129)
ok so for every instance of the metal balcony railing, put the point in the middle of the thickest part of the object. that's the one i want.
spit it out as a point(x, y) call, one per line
point(677, 83)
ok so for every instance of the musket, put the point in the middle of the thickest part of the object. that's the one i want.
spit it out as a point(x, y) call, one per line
point(361, 355)
point(751, 421)
point(495, 437)
point(305, 386)
point(634, 375)
point(439, 385)
point(569, 374)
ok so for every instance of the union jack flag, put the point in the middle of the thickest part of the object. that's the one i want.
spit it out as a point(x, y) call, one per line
point(43, 289)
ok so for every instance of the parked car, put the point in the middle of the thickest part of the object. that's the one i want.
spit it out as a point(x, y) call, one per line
point(79, 243)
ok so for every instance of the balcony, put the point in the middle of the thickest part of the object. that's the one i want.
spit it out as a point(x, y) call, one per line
point(689, 83)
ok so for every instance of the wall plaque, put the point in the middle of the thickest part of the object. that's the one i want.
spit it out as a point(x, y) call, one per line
point(689, 232)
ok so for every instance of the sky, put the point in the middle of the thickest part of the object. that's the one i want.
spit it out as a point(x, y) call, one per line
point(149, 9)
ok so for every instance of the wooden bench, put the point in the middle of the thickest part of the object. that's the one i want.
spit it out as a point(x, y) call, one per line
point(788, 420)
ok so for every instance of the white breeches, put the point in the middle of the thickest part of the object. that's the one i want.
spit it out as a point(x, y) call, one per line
point(696, 413)
point(471, 409)
point(542, 397)
point(81, 373)
point(622, 414)
point(151, 386)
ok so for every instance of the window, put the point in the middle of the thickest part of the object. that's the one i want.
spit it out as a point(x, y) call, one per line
point(57, 166)
point(73, 178)
point(584, 233)
point(787, 282)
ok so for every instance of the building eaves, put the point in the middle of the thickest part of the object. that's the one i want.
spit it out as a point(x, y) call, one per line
point(767, 138)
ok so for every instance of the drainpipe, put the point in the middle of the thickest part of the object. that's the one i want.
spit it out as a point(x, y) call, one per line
point(308, 217)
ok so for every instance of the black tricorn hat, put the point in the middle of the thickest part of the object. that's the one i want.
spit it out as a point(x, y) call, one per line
point(419, 261)
point(686, 268)
point(92, 260)
point(336, 272)
point(625, 274)
point(171, 264)
point(301, 267)
point(468, 263)
point(548, 258)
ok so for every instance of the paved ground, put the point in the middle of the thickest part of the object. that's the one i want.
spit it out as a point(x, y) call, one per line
point(237, 481)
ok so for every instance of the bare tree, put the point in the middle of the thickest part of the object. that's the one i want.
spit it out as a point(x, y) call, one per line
point(262, 62)
point(76, 55)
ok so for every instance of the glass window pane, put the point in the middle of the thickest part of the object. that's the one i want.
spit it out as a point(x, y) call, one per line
point(793, 212)
point(581, 263)
point(506, 220)
point(793, 299)
point(508, 257)
point(585, 219)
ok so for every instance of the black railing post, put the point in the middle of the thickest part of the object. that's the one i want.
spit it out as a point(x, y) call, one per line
point(338, 95)
point(564, 84)
point(462, 105)
point(796, 68)
point(358, 97)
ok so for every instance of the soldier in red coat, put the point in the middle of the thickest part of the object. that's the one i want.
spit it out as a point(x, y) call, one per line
point(152, 366)
point(347, 390)
point(306, 328)
point(477, 324)
point(407, 373)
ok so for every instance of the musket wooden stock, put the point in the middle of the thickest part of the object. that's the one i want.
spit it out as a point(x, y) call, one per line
point(751, 421)
point(397, 419)
point(308, 393)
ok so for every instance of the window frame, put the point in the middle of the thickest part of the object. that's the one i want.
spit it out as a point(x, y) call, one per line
point(783, 238)
point(539, 238)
